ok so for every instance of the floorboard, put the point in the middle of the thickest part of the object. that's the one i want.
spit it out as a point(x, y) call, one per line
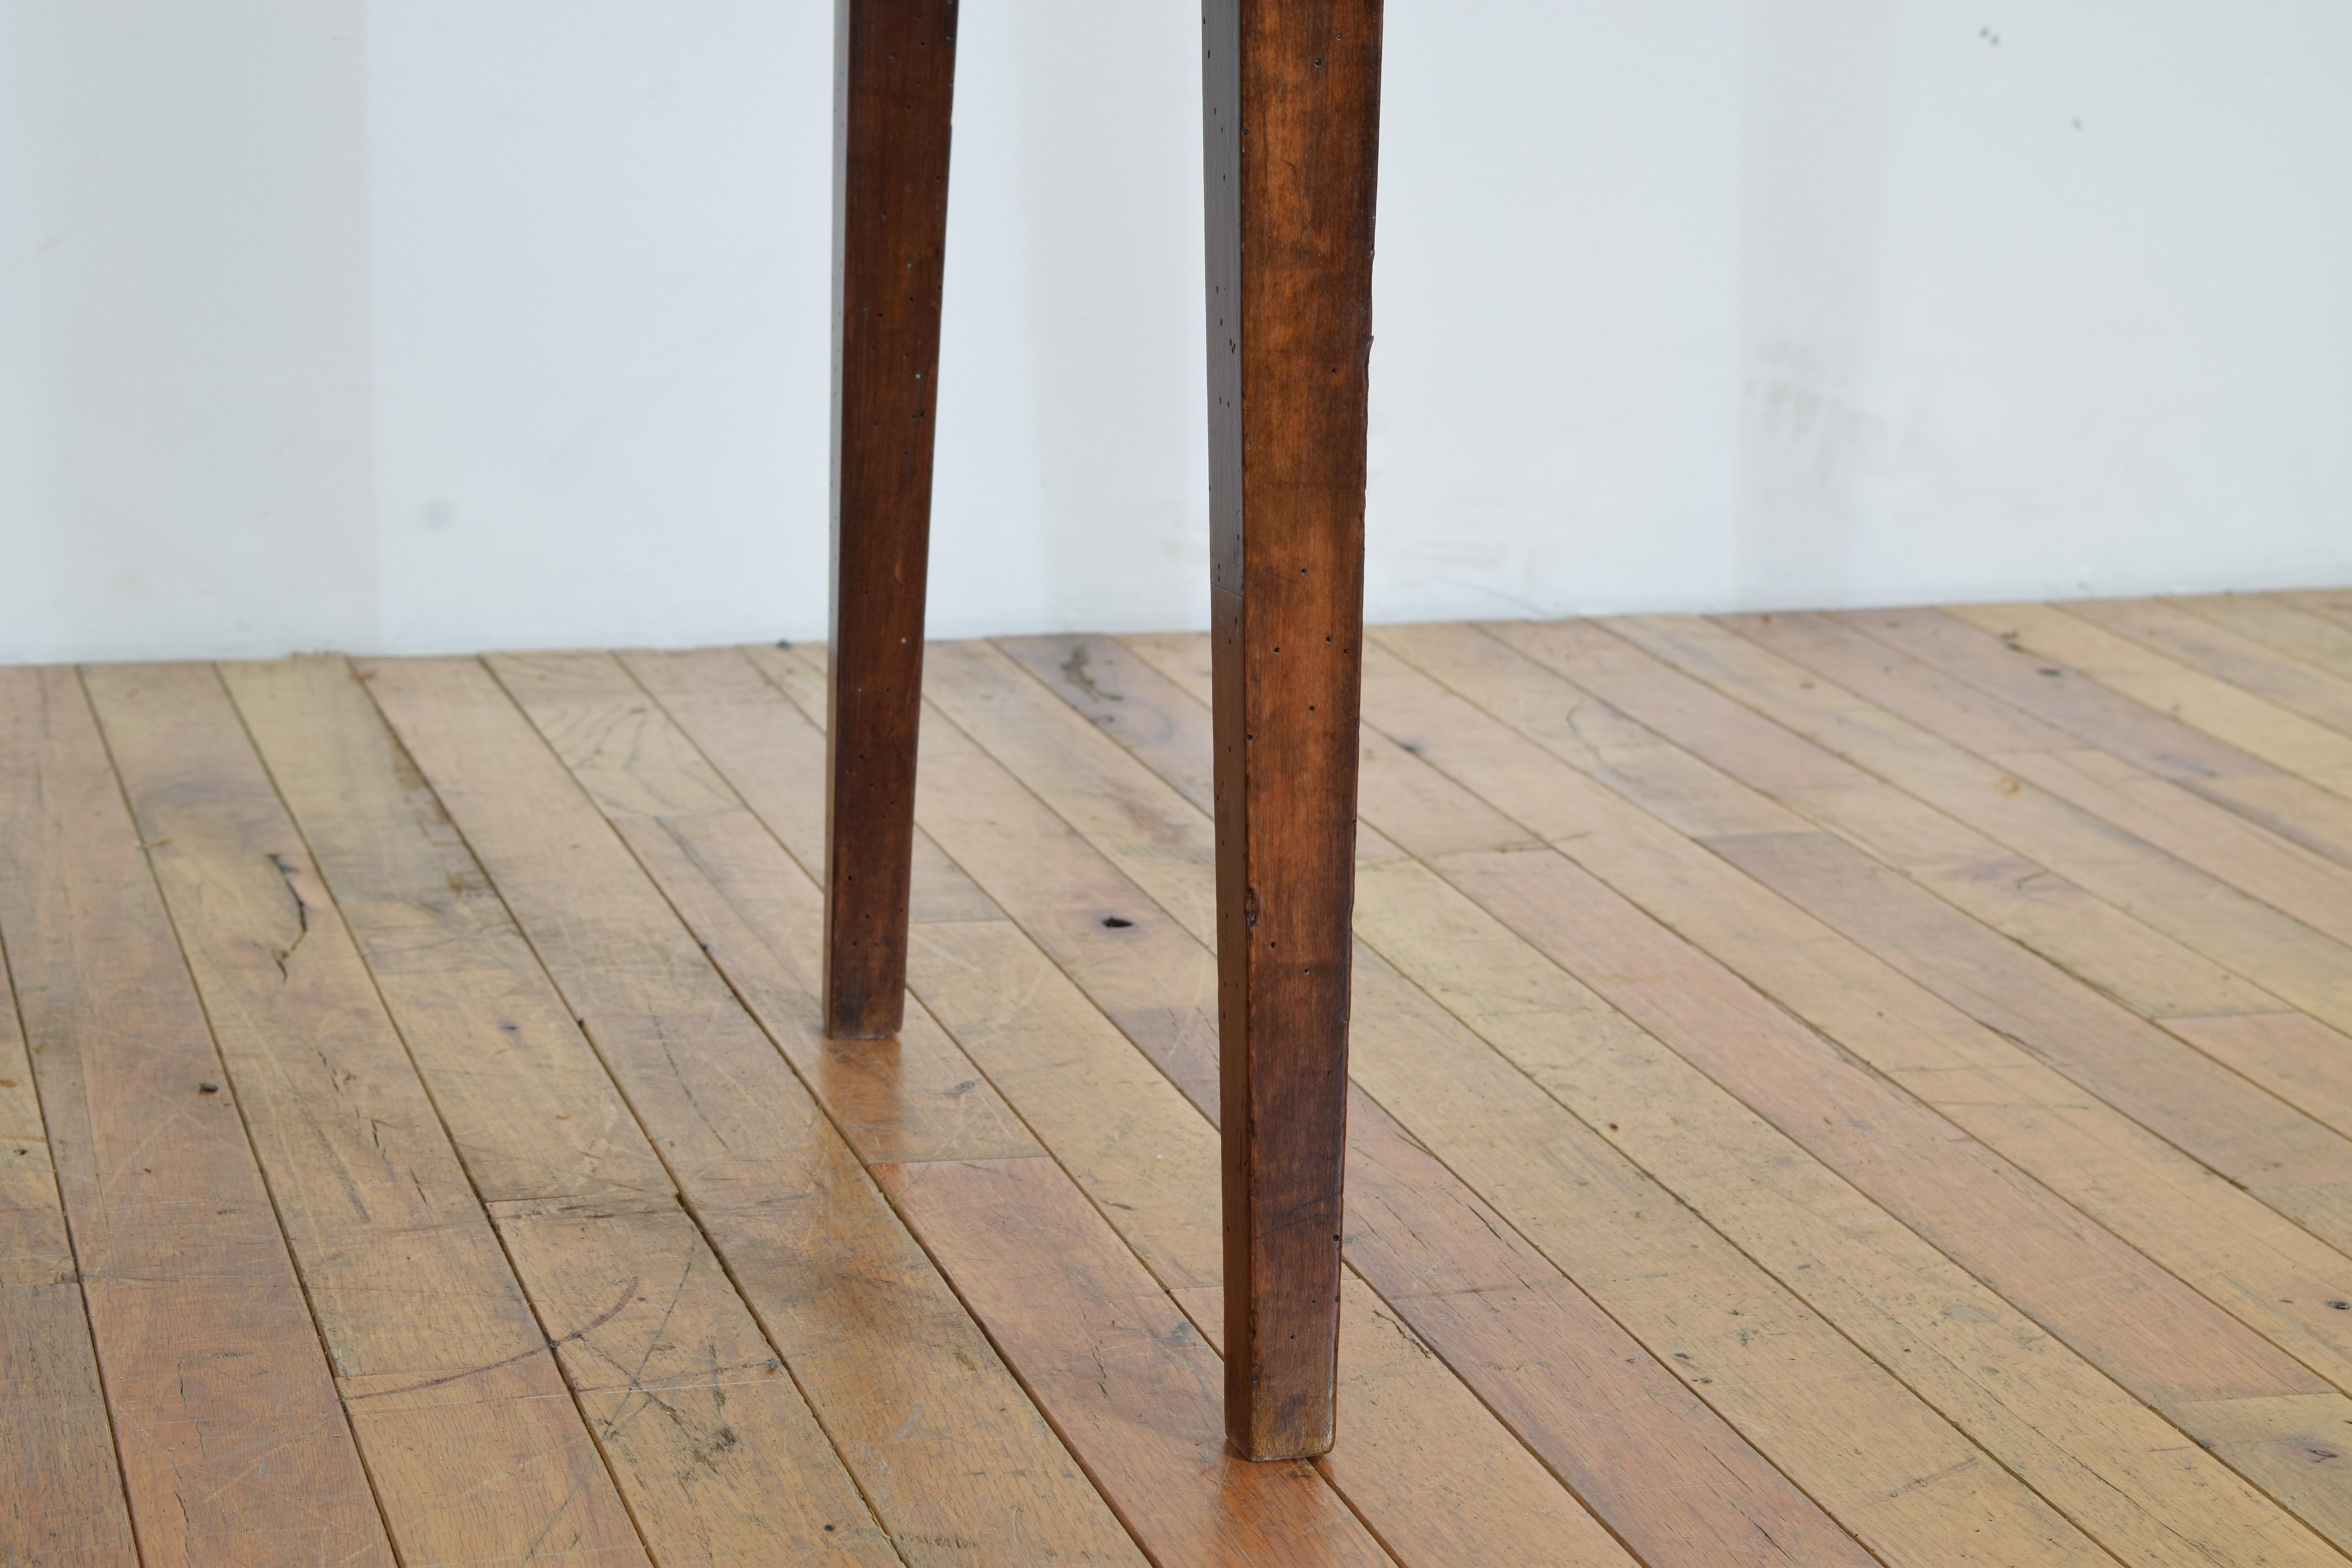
point(2231, 659)
point(2304, 633)
point(234, 1444)
point(995, 707)
point(1432, 1472)
point(1871, 1088)
point(1717, 924)
point(1970, 1034)
point(1997, 1378)
point(444, 1374)
point(2080, 1007)
point(692, 1409)
point(2108, 720)
point(1968, 754)
point(1721, 1499)
point(954, 1459)
point(2231, 712)
point(2330, 604)
point(60, 1485)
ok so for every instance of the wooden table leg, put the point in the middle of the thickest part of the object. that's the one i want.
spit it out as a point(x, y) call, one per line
point(1292, 100)
point(893, 88)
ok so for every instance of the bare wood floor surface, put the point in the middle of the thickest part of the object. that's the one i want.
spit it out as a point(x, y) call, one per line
point(1828, 1089)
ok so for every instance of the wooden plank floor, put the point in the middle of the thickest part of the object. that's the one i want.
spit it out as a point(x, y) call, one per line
point(1829, 1089)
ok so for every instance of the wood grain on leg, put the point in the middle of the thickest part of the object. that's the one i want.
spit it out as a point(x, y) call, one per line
point(894, 84)
point(1292, 126)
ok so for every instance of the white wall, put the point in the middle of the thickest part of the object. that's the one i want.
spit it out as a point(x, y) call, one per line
point(419, 325)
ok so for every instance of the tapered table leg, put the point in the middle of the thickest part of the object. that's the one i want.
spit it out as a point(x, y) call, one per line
point(1292, 121)
point(894, 85)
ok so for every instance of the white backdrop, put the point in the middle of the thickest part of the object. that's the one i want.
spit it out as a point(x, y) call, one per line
point(417, 325)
